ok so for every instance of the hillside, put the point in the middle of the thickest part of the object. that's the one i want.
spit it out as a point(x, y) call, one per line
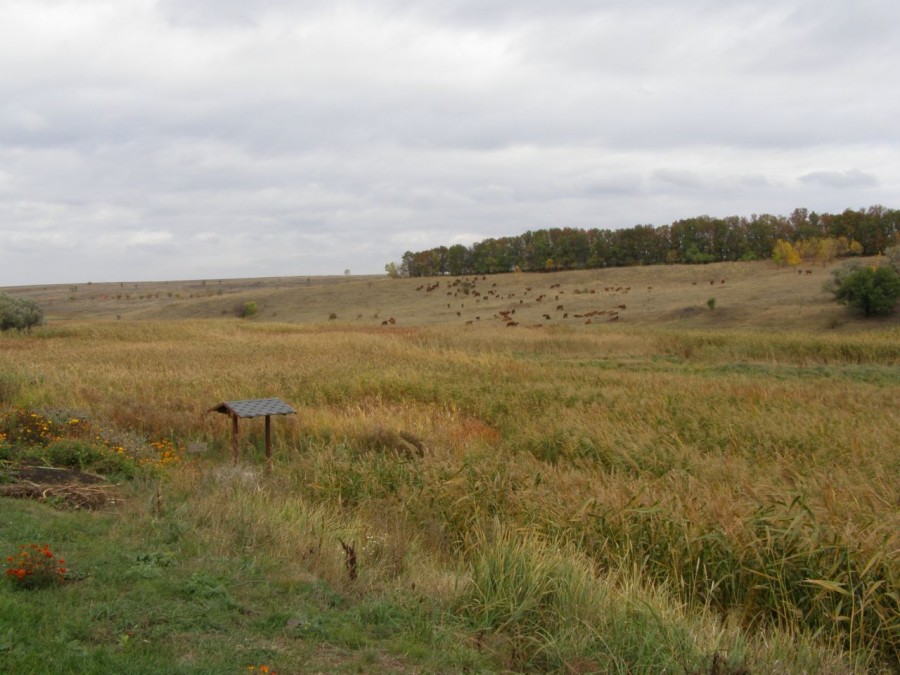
point(747, 295)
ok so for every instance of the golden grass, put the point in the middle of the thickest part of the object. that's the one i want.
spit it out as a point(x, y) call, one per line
point(754, 295)
point(752, 474)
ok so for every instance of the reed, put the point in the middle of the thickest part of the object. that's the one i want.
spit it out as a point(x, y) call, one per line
point(750, 478)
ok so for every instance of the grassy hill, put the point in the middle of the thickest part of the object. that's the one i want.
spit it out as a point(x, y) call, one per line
point(751, 295)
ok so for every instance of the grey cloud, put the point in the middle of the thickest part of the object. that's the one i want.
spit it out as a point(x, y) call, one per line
point(840, 179)
point(679, 178)
point(281, 137)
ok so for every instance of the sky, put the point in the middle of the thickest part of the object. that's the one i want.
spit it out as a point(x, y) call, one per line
point(189, 139)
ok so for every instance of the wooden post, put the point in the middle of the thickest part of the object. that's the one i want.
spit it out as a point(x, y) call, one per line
point(268, 442)
point(234, 438)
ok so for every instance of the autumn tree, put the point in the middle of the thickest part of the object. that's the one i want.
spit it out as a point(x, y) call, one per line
point(785, 254)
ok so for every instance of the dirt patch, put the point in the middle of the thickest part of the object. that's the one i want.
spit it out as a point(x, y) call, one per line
point(68, 488)
point(51, 475)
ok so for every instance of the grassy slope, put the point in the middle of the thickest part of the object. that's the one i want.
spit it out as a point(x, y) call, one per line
point(673, 435)
point(755, 295)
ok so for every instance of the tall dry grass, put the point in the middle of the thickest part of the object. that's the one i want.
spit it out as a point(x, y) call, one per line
point(755, 477)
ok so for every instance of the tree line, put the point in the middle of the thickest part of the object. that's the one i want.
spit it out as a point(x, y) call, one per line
point(701, 239)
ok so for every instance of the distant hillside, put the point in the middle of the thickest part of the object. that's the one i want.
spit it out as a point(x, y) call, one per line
point(744, 294)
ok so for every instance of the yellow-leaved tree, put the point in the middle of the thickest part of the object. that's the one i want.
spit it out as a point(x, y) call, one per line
point(785, 254)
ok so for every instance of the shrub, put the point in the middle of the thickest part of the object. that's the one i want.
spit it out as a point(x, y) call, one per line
point(875, 290)
point(245, 309)
point(19, 313)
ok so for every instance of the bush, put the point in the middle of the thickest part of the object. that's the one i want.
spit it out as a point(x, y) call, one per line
point(245, 309)
point(19, 313)
point(875, 290)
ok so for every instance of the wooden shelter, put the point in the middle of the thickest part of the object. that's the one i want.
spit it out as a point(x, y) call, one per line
point(256, 407)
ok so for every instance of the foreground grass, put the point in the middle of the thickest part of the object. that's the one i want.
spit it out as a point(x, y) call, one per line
point(143, 597)
point(613, 500)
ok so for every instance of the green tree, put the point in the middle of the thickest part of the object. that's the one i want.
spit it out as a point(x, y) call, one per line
point(19, 313)
point(457, 260)
point(874, 290)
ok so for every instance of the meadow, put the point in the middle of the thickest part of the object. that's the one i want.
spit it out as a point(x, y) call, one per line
point(659, 484)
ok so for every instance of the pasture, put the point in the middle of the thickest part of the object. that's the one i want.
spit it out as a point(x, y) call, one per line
point(626, 479)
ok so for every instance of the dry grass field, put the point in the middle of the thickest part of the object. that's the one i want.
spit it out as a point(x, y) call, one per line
point(626, 480)
point(754, 295)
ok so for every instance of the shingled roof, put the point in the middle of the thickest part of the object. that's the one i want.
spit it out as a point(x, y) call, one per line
point(254, 407)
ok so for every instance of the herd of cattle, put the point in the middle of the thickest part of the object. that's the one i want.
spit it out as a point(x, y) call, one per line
point(472, 298)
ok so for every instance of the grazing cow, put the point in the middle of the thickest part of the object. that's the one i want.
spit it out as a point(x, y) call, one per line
point(510, 324)
point(622, 307)
point(559, 308)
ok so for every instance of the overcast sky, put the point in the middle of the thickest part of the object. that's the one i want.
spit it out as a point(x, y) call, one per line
point(187, 139)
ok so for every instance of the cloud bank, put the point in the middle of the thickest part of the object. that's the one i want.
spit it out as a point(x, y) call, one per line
point(161, 139)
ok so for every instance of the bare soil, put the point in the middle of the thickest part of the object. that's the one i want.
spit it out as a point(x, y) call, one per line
point(64, 487)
